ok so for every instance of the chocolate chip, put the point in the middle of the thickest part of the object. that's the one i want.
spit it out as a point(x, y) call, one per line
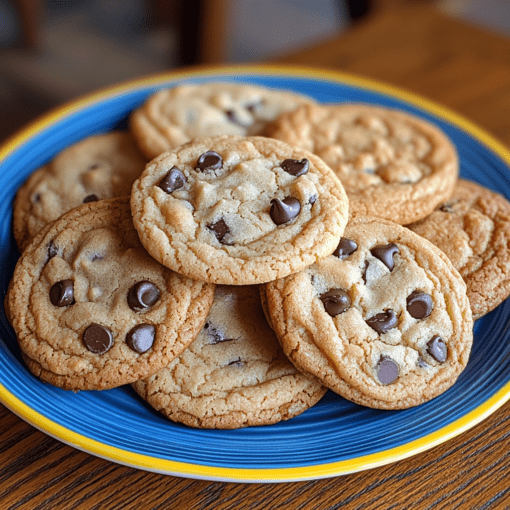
point(364, 273)
point(90, 198)
point(312, 199)
point(215, 336)
point(222, 232)
point(142, 295)
point(141, 337)
point(387, 370)
point(232, 117)
point(295, 167)
point(383, 322)
point(336, 301)
point(97, 339)
point(52, 250)
point(419, 304)
point(36, 198)
point(238, 362)
point(94, 166)
point(447, 207)
point(345, 248)
point(253, 106)
point(421, 363)
point(437, 349)
point(282, 211)
point(62, 293)
point(173, 180)
point(385, 253)
point(209, 161)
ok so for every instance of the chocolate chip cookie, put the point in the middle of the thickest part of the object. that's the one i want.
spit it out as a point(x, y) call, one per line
point(392, 164)
point(172, 117)
point(384, 321)
point(473, 229)
point(234, 374)
point(238, 211)
point(98, 167)
point(92, 310)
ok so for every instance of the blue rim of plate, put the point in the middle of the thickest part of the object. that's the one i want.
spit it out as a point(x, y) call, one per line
point(334, 437)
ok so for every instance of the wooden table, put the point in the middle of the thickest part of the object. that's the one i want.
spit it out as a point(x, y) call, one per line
point(416, 48)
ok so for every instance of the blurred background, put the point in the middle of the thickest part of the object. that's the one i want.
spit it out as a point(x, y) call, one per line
point(53, 51)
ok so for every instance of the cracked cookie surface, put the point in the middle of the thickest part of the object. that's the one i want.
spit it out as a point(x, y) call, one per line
point(473, 229)
point(384, 322)
point(98, 167)
point(172, 117)
point(392, 164)
point(92, 310)
point(238, 211)
point(234, 374)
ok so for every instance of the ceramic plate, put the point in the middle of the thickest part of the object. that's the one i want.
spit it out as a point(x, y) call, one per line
point(334, 437)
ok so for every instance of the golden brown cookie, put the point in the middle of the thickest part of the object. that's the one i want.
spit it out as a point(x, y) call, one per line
point(392, 165)
point(172, 117)
point(98, 167)
point(473, 229)
point(92, 310)
point(384, 321)
point(238, 211)
point(234, 374)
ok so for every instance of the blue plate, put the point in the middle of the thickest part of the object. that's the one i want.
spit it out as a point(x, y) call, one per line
point(334, 437)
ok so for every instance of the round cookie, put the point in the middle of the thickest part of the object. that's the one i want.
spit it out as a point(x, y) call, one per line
point(384, 321)
point(172, 117)
point(473, 229)
point(238, 211)
point(392, 165)
point(92, 310)
point(234, 374)
point(98, 167)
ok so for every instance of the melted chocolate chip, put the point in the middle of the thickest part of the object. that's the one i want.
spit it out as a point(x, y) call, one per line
point(173, 180)
point(437, 349)
point(209, 161)
point(295, 167)
point(142, 295)
point(90, 198)
point(385, 253)
point(387, 370)
point(222, 232)
point(215, 336)
point(364, 273)
point(97, 339)
point(141, 337)
point(336, 301)
point(345, 248)
point(383, 322)
point(419, 305)
point(62, 293)
point(282, 211)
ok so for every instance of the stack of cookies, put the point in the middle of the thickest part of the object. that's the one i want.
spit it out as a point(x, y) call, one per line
point(241, 250)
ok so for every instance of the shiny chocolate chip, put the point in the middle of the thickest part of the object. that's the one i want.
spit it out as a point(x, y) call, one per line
point(422, 364)
point(97, 339)
point(209, 161)
point(173, 180)
point(387, 370)
point(141, 337)
point(345, 248)
point(142, 295)
point(419, 305)
point(336, 301)
point(62, 293)
point(437, 349)
point(90, 198)
point(385, 253)
point(295, 167)
point(222, 232)
point(283, 211)
point(383, 322)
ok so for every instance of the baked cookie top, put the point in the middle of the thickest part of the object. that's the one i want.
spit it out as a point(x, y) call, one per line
point(172, 117)
point(98, 167)
point(384, 321)
point(234, 374)
point(473, 229)
point(238, 211)
point(92, 310)
point(392, 164)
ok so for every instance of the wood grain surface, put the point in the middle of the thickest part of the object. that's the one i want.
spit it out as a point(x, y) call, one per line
point(412, 46)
